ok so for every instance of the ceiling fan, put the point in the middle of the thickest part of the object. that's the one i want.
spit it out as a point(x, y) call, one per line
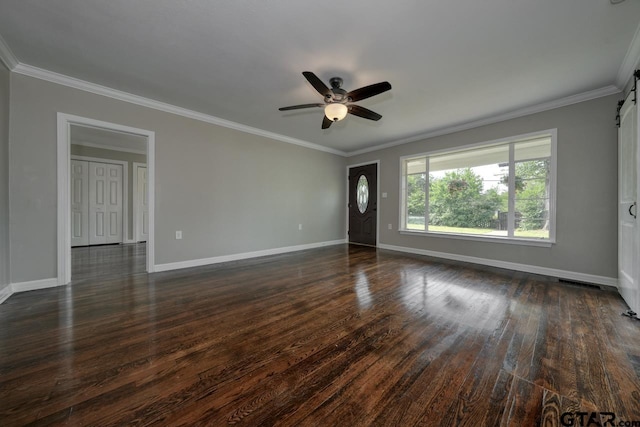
point(338, 102)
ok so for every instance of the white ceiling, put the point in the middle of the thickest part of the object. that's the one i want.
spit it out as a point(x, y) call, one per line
point(450, 63)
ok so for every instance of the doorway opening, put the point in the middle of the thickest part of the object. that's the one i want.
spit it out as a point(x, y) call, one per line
point(104, 165)
point(96, 198)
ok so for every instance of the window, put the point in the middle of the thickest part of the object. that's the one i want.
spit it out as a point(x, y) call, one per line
point(502, 190)
point(362, 193)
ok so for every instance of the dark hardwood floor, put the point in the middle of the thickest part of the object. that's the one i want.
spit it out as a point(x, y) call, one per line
point(91, 262)
point(336, 336)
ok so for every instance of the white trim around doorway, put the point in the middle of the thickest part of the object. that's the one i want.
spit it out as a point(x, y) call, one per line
point(64, 123)
point(136, 212)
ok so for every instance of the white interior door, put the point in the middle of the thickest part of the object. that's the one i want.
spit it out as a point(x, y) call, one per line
point(628, 230)
point(141, 202)
point(105, 203)
point(114, 204)
point(79, 203)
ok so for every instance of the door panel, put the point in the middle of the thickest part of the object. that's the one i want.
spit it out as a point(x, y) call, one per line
point(113, 224)
point(105, 203)
point(114, 204)
point(628, 230)
point(99, 227)
point(96, 203)
point(79, 203)
point(363, 204)
point(113, 192)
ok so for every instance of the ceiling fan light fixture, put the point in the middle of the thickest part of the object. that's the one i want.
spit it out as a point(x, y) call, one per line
point(336, 99)
point(336, 111)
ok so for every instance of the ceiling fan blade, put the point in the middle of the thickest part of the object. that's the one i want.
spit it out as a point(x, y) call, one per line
point(368, 91)
point(317, 83)
point(297, 107)
point(359, 111)
point(326, 122)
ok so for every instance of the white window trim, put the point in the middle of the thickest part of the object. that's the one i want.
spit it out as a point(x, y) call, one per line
point(494, 239)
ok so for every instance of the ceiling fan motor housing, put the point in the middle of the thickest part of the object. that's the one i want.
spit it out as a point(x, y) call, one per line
point(335, 82)
point(337, 94)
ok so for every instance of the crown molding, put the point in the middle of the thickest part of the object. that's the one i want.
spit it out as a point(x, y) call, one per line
point(630, 62)
point(7, 56)
point(72, 82)
point(562, 102)
point(61, 79)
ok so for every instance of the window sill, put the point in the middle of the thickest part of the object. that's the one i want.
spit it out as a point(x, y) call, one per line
point(492, 239)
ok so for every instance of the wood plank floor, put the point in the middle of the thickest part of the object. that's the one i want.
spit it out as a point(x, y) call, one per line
point(91, 262)
point(335, 336)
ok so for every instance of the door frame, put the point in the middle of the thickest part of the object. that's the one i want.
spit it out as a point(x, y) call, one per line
point(125, 189)
point(134, 200)
point(346, 231)
point(64, 123)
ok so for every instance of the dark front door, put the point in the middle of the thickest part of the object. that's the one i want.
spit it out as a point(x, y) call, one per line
point(363, 204)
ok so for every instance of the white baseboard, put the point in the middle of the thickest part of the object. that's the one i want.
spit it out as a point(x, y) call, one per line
point(245, 255)
point(9, 290)
point(34, 285)
point(553, 272)
point(5, 293)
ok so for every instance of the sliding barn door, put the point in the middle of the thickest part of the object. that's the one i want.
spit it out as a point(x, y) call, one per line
point(628, 230)
point(105, 203)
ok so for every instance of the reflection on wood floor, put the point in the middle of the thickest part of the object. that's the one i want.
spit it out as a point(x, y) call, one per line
point(333, 336)
point(107, 260)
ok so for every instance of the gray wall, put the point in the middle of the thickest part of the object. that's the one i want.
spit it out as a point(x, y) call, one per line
point(4, 177)
point(80, 150)
point(228, 191)
point(586, 229)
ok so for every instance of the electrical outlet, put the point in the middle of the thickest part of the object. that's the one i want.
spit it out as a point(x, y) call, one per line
point(178, 234)
point(384, 195)
point(390, 227)
point(299, 226)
